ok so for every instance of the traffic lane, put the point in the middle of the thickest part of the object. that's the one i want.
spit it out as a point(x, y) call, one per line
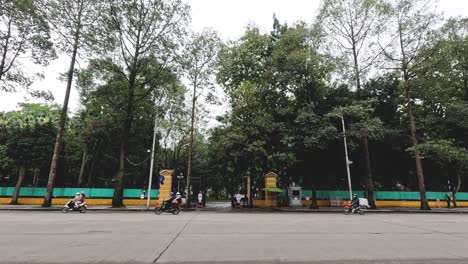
point(223, 238)
point(287, 223)
point(211, 238)
point(85, 238)
point(454, 224)
point(303, 247)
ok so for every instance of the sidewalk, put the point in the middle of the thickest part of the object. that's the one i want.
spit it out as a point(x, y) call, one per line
point(385, 210)
point(58, 208)
point(106, 208)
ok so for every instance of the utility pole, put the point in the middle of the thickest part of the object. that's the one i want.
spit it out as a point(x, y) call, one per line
point(348, 162)
point(249, 202)
point(179, 178)
point(150, 180)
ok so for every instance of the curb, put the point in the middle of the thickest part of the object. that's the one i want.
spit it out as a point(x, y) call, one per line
point(378, 211)
point(244, 210)
point(55, 209)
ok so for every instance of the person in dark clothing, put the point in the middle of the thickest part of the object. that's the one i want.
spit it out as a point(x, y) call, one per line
point(169, 202)
point(454, 199)
point(448, 199)
point(355, 202)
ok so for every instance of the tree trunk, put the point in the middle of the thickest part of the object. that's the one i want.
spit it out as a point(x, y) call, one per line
point(459, 172)
point(357, 74)
point(5, 49)
point(58, 142)
point(249, 192)
point(465, 83)
point(36, 177)
point(456, 188)
point(83, 162)
point(368, 176)
point(90, 173)
point(314, 204)
point(368, 169)
point(117, 199)
point(22, 174)
point(417, 155)
point(190, 154)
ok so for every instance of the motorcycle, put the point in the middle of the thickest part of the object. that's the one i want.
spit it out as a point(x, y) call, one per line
point(349, 209)
point(174, 209)
point(70, 206)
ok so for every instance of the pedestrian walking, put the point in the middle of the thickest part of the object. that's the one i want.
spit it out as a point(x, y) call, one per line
point(448, 199)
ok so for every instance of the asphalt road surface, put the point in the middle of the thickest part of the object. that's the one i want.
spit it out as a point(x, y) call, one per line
point(213, 237)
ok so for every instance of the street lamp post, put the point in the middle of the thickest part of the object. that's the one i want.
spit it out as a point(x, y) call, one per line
point(152, 160)
point(348, 162)
point(179, 178)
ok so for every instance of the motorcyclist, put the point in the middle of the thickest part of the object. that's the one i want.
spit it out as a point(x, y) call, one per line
point(169, 201)
point(355, 202)
point(72, 202)
point(178, 197)
point(81, 199)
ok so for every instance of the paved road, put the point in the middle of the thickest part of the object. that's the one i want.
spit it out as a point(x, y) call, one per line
point(218, 205)
point(213, 237)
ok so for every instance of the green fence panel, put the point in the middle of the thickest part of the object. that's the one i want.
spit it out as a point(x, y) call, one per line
point(386, 195)
point(322, 195)
point(306, 193)
point(102, 192)
point(7, 191)
point(32, 192)
point(415, 196)
point(462, 196)
point(434, 195)
point(340, 194)
point(70, 192)
point(135, 193)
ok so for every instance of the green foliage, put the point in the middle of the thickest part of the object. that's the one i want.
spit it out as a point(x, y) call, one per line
point(362, 123)
point(444, 152)
point(23, 32)
point(287, 90)
point(6, 162)
point(30, 134)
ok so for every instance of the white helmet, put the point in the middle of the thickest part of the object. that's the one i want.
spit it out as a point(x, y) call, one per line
point(77, 193)
point(178, 193)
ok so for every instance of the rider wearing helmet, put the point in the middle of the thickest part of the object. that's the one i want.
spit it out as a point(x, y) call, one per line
point(178, 197)
point(355, 201)
point(169, 202)
point(75, 200)
point(81, 198)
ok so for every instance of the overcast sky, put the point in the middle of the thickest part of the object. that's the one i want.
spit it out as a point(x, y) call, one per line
point(228, 17)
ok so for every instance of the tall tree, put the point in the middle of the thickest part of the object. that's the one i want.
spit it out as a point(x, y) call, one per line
point(411, 23)
point(23, 33)
point(147, 34)
point(75, 23)
point(199, 61)
point(30, 137)
point(352, 26)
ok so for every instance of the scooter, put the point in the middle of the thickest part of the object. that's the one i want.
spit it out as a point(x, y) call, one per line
point(174, 209)
point(349, 209)
point(70, 206)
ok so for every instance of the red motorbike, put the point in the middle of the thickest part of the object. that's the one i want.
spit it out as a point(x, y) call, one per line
point(349, 209)
point(174, 208)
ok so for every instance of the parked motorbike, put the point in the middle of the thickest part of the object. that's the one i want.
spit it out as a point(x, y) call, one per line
point(349, 209)
point(71, 206)
point(174, 208)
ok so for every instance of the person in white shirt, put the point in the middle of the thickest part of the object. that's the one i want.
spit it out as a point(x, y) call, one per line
point(200, 197)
